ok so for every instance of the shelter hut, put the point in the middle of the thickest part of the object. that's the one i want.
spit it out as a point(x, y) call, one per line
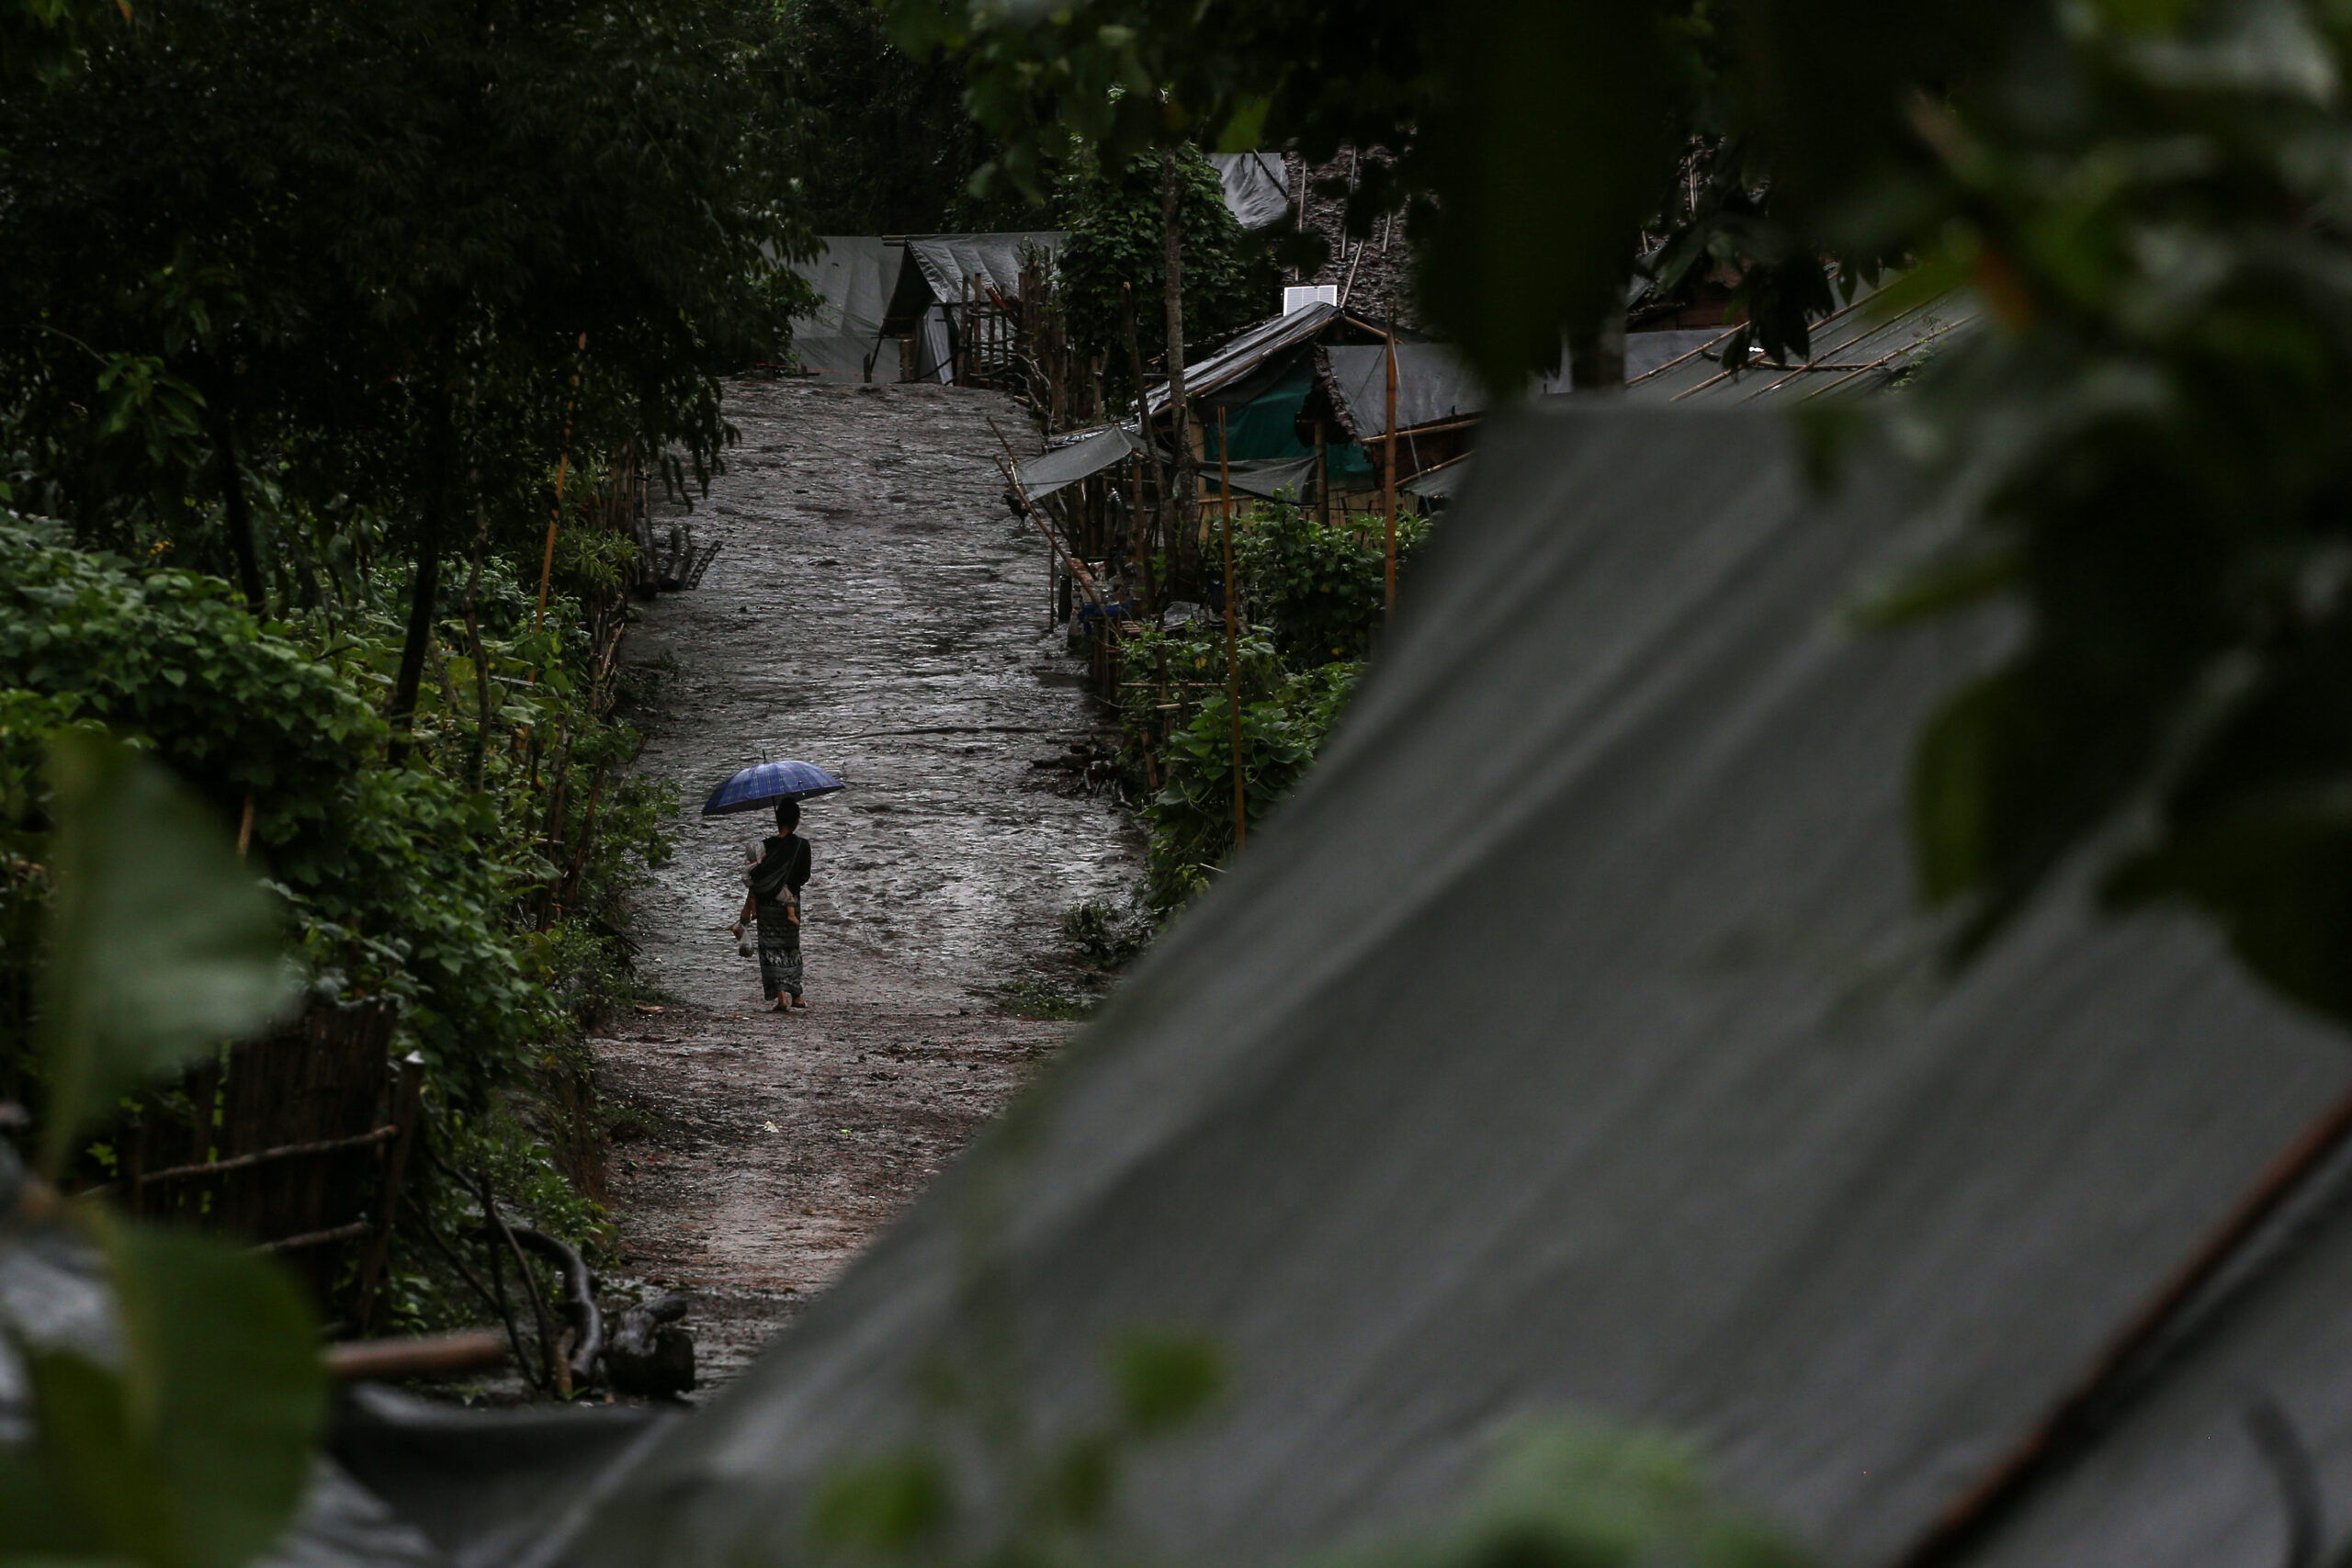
point(1260, 380)
point(853, 277)
point(1439, 403)
point(956, 304)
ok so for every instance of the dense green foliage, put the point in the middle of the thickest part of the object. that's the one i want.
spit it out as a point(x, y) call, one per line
point(889, 147)
point(402, 882)
point(303, 309)
point(2151, 440)
point(1314, 593)
point(1115, 260)
point(1321, 585)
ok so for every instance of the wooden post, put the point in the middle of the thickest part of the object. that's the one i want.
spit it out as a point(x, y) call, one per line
point(1388, 474)
point(1171, 224)
point(1139, 528)
point(1232, 636)
point(1322, 475)
point(562, 458)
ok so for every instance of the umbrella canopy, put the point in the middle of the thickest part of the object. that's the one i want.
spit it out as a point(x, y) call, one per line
point(767, 783)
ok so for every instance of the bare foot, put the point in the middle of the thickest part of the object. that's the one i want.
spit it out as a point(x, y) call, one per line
point(800, 1003)
point(782, 1005)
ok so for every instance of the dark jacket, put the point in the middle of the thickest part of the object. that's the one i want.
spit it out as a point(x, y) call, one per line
point(784, 865)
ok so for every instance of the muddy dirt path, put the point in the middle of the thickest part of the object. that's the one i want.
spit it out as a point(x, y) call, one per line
point(873, 609)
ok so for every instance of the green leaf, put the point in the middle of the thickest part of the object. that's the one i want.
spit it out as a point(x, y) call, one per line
point(884, 1507)
point(223, 1368)
point(1166, 1379)
point(194, 1451)
point(1971, 568)
point(162, 943)
point(1953, 787)
point(1550, 153)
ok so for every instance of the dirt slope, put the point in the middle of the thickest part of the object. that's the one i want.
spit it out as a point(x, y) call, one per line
point(875, 609)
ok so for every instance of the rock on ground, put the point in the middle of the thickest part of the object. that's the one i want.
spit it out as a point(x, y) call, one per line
point(876, 610)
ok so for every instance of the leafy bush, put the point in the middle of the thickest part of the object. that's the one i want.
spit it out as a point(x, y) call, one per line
point(405, 885)
point(1186, 762)
point(1323, 585)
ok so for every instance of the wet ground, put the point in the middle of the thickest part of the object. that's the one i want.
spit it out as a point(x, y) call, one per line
point(875, 609)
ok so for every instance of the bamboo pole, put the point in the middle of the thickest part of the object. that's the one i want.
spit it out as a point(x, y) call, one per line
point(563, 459)
point(1388, 477)
point(1232, 636)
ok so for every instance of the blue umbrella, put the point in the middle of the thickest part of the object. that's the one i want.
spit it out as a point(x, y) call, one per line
point(767, 783)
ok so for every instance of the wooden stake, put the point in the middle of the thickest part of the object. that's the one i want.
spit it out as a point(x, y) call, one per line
point(1388, 479)
point(562, 457)
point(1232, 637)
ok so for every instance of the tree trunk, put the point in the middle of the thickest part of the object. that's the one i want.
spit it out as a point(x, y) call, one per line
point(236, 511)
point(1161, 486)
point(1597, 355)
point(1171, 230)
point(439, 457)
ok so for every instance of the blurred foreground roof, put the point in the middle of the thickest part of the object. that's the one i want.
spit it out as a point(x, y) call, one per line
point(1571, 1044)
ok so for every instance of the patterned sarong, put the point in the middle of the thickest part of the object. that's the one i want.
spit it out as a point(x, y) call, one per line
point(779, 950)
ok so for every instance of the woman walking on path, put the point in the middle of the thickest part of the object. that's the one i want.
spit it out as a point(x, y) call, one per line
point(775, 881)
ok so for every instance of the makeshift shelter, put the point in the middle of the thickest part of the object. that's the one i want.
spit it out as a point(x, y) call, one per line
point(1572, 1043)
point(953, 295)
point(1257, 186)
point(1260, 379)
point(1440, 398)
point(853, 277)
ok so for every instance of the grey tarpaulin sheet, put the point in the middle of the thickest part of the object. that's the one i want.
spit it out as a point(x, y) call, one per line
point(1435, 384)
point(948, 260)
point(1257, 186)
point(1441, 482)
point(1568, 1042)
point(1041, 476)
point(852, 275)
point(1248, 352)
point(1272, 479)
point(934, 346)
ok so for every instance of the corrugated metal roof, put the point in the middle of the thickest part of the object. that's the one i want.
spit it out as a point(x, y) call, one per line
point(1853, 349)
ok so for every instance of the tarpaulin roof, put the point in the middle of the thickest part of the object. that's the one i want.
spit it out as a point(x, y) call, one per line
point(947, 261)
point(1257, 186)
point(1252, 360)
point(1066, 465)
point(852, 275)
point(1570, 1040)
point(1435, 384)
